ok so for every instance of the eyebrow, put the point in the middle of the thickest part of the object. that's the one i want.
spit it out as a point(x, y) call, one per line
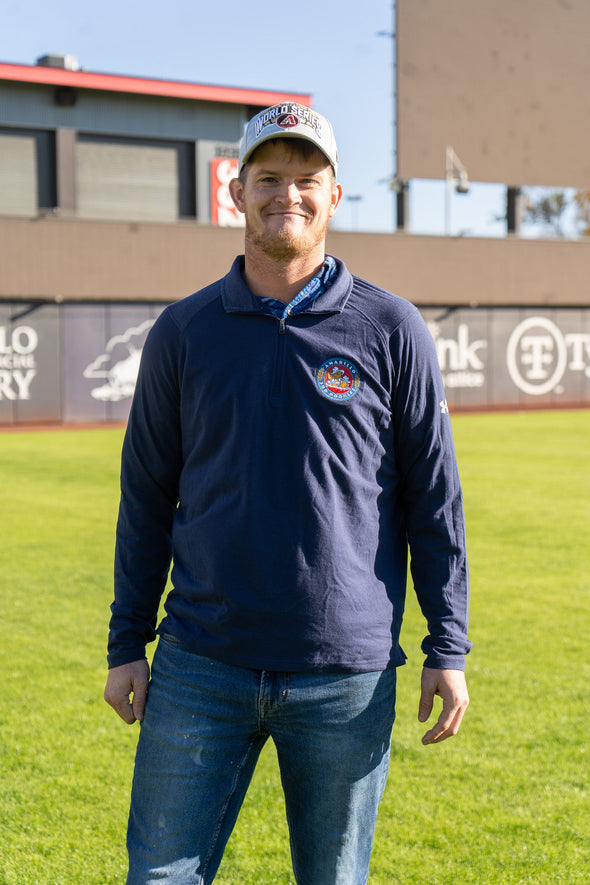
point(305, 174)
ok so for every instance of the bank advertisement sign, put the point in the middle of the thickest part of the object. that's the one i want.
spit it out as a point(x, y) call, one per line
point(79, 363)
point(495, 357)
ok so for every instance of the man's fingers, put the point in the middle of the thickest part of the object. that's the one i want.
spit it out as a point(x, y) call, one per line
point(118, 698)
point(125, 711)
point(124, 681)
point(446, 726)
point(450, 686)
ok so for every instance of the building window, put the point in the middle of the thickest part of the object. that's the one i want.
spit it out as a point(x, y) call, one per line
point(134, 179)
point(27, 171)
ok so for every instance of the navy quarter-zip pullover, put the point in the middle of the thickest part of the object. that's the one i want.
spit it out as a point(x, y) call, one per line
point(284, 467)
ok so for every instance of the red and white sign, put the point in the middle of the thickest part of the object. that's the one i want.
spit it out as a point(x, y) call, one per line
point(223, 210)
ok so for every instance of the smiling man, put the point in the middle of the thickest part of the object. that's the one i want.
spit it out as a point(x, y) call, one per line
point(288, 443)
point(288, 194)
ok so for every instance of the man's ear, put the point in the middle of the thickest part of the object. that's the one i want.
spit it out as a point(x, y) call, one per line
point(336, 197)
point(236, 192)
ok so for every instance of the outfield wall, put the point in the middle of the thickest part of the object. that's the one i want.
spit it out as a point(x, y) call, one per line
point(58, 259)
point(78, 362)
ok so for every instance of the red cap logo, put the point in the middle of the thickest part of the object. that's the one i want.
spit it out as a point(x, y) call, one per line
point(287, 121)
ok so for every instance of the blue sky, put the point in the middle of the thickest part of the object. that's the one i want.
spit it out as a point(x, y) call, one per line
point(330, 49)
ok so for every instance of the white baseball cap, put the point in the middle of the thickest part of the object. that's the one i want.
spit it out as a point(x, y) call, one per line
point(289, 120)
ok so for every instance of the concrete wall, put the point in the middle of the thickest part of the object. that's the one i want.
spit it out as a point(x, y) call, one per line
point(55, 259)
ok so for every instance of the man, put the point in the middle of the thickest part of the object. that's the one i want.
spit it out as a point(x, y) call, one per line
point(287, 441)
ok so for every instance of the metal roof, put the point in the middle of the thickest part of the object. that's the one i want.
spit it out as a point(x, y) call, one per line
point(51, 76)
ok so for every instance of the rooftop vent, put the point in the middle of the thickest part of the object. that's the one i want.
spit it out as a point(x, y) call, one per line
point(57, 60)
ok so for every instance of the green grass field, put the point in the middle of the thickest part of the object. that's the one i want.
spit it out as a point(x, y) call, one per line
point(506, 801)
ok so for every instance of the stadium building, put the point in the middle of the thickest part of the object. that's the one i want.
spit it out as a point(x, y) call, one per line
point(114, 202)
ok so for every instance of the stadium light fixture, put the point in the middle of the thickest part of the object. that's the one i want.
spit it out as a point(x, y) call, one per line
point(456, 176)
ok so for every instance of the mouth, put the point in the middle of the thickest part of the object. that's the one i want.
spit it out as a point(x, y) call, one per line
point(287, 214)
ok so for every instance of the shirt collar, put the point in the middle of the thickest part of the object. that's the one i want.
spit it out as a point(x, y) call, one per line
point(305, 298)
point(237, 297)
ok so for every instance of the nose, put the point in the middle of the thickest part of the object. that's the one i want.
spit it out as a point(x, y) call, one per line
point(288, 194)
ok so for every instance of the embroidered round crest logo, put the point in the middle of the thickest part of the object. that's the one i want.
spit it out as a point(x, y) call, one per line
point(287, 121)
point(338, 379)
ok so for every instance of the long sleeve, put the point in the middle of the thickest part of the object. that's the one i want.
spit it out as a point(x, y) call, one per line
point(150, 470)
point(432, 496)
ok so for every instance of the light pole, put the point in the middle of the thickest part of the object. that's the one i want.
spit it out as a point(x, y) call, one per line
point(354, 199)
point(455, 175)
point(398, 188)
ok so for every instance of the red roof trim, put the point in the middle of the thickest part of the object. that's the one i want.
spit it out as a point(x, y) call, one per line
point(144, 86)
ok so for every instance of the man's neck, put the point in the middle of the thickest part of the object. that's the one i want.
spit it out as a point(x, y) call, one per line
point(267, 277)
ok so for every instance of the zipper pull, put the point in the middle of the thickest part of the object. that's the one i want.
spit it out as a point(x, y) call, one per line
point(283, 320)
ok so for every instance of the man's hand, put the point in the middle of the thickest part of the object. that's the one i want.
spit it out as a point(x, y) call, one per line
point(126, 680)
point(451, 687)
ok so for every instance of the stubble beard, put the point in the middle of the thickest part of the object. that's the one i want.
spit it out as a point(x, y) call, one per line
point(285, 245)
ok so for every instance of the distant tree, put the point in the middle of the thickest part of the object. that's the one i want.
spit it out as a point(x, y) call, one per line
point(582, 201)
point(546, 209)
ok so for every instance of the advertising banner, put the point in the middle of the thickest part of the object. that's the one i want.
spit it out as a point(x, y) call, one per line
point(30, 388)
point(506, 357)
point(223, 210)
point(102, 350)
point(79, 363)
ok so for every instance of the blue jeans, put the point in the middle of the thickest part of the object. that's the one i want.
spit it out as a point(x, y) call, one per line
point(205, 725)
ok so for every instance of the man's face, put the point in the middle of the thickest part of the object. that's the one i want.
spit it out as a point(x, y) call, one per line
point(287, 200)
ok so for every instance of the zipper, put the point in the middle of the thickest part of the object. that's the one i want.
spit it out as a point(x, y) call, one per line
point(279, 364)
